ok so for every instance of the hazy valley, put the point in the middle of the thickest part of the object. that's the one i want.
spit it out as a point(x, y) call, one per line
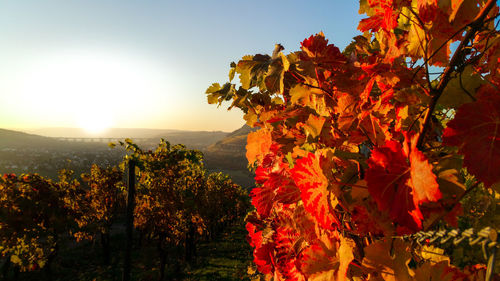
point(45, 151)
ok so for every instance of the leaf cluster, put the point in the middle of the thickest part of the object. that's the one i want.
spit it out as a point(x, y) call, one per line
point(358, 147)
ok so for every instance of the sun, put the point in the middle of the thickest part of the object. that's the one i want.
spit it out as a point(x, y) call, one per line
point(94, 91)
point(94, 121)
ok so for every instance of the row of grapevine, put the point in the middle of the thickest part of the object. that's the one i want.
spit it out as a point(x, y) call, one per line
point(397, 134)
point(176, 199)
point(178, 203)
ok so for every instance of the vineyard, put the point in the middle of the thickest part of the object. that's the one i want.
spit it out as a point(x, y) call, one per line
point(378, 162)
point(179, 208)
point(365, 159)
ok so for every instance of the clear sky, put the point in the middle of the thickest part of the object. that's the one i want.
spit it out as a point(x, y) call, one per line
point(143, 64)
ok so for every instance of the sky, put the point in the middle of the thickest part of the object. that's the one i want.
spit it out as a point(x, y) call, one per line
point(96, 64)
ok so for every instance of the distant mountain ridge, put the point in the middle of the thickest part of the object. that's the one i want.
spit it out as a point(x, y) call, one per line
point(223, 151)
point(192, 139)
point(112, 132)
point(13, 138)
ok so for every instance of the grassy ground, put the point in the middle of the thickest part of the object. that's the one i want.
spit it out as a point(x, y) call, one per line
point(226, 258)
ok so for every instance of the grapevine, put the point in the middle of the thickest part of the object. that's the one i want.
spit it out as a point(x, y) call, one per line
point(360, 146)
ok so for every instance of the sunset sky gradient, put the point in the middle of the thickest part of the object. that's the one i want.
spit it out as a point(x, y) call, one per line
point(143, 64)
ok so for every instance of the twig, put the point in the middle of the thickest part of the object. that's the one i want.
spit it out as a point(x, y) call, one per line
point(475, 25)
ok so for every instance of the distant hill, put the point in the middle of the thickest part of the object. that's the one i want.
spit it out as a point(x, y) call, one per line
point(232, 146)
point(229, 156)
point(224, 152)
point(192, 139)
point(10, 138)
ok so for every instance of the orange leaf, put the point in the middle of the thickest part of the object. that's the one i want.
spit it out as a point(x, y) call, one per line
point(258, 145)
point(388, 259)
point(328, 258)
point(313, 184)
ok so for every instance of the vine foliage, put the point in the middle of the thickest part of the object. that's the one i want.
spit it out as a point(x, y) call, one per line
point(358, 147)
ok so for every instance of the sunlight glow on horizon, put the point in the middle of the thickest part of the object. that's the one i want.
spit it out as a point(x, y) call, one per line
point(148, 64)
point(92, 91)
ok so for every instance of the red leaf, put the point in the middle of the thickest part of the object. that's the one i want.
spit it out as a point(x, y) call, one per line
point(316, 48)
point(423, 180)
point(385, 17)
point(427, 10)
point(287, 253)
point(276, 185)
point(476, 131)
point(263, 199)
point(262, 252)
point(372, 24)
point(313, 184)
point(398, 185)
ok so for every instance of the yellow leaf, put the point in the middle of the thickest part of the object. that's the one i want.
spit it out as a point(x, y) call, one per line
point(15, 260)
point(433, 254)
point(314, 125)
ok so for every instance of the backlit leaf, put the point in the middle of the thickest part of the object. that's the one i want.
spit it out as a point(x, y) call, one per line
point(476, 131)
point(313, 185)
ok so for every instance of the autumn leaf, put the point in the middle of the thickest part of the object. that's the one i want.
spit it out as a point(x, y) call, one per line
point(276, 74)
point(372, 23)
point(262, 252)
point(313, 185)
point(258, 144)
point(317, 49)
point(476, 131)
point(461, 89)
point(314, 125)
point(252, 70)
point(288, 247)
point(434, 271)
point(427, 9)
point(400, 180)
point(384, 17)
point(263, 199)
point(388, 259)
point(423, 180)
point(313, 98)
point(328, 258)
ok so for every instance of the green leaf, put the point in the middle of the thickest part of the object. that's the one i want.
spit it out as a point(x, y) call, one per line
point(212, 99)
point(218, 94)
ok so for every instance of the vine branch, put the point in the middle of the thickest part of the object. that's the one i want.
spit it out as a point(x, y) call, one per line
point(475, 25)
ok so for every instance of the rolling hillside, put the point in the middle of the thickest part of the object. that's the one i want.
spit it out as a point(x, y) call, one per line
point(228, 155)
point(223, 151)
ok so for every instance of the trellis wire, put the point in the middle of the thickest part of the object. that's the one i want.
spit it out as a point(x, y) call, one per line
point(487, 238)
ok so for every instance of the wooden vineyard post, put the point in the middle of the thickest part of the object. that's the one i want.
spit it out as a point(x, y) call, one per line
point(129, 220)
